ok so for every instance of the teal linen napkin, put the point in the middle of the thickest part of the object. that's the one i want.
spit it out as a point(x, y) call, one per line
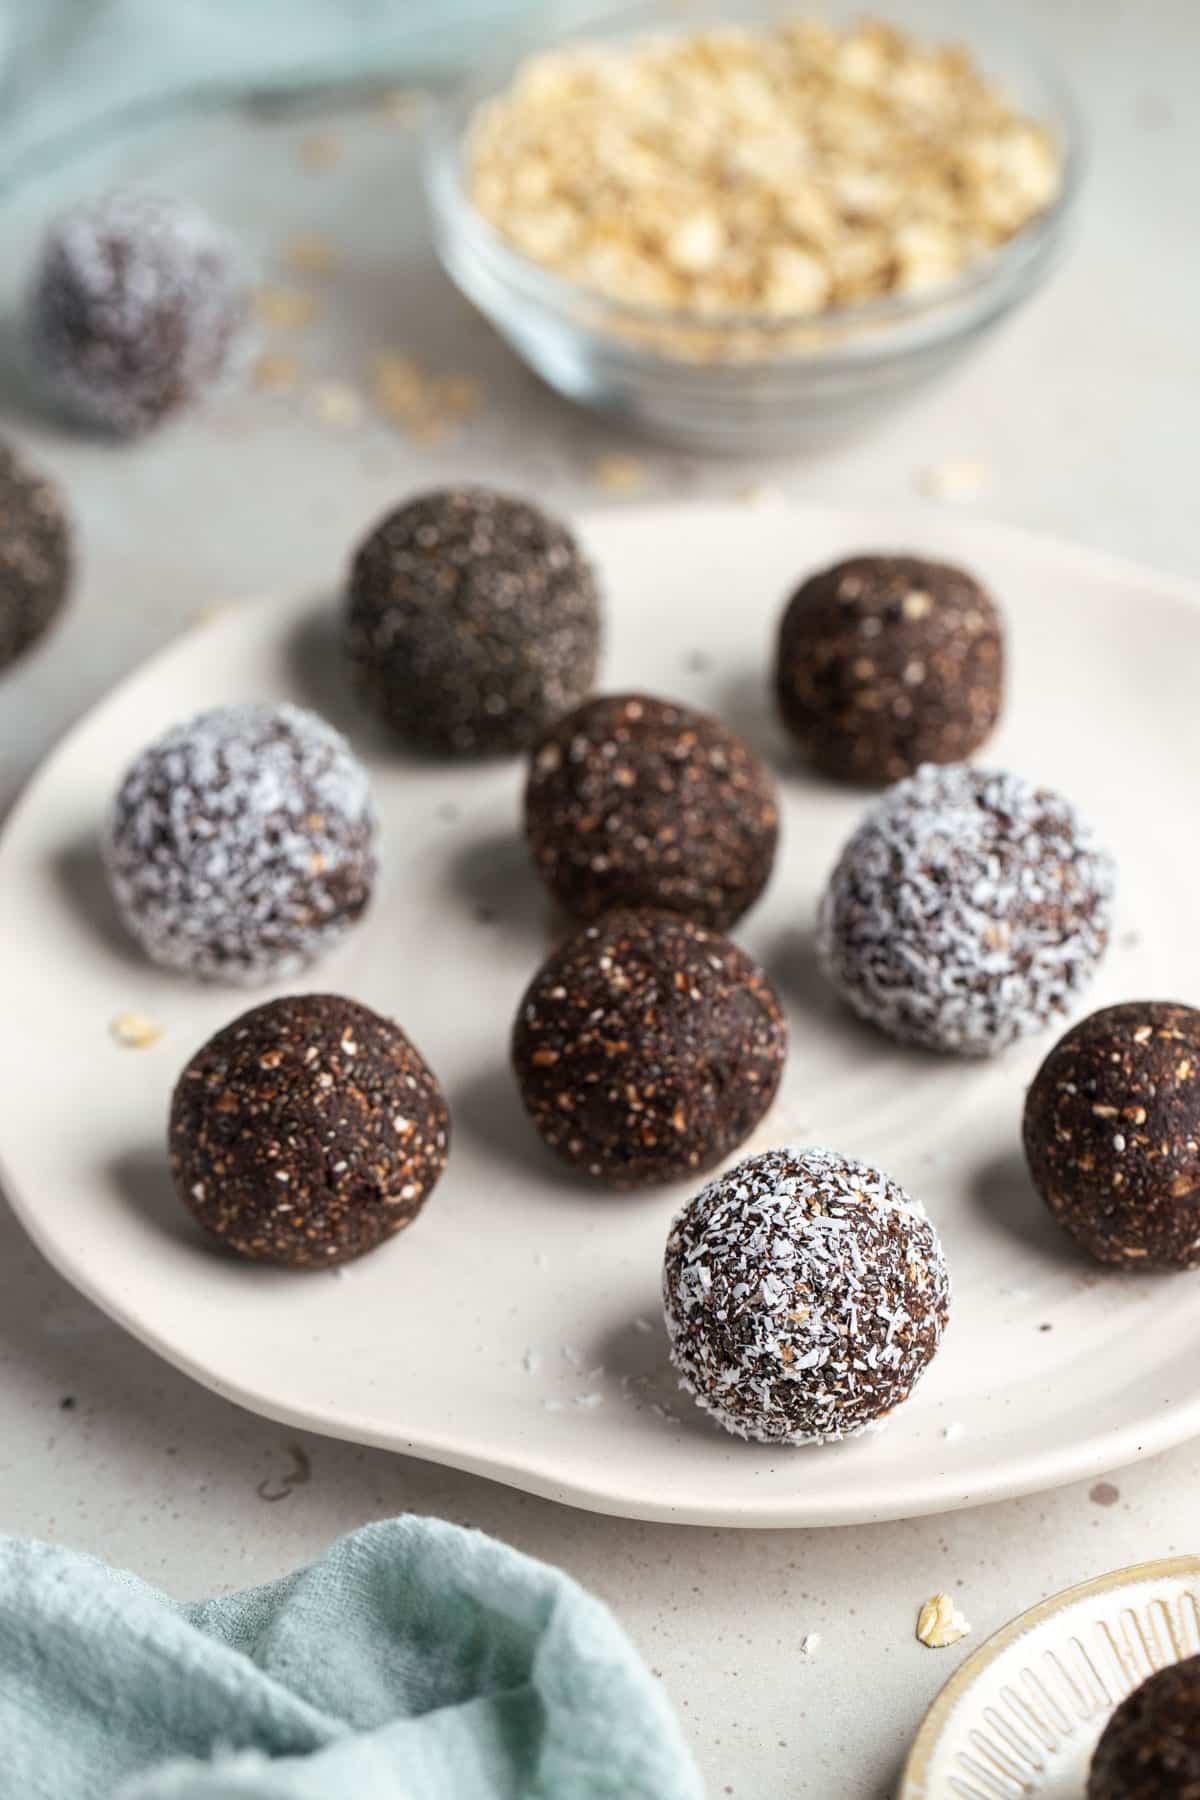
point(75, 69)
point(412, 1661)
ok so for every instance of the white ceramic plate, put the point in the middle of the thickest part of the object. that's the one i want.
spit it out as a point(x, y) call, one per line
point(1022, 1717)
point(515, 1330)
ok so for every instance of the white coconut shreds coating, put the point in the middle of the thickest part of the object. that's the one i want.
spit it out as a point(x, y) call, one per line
point(967, 910)
point(241, 845)
point(805, 1294)
point(139, 302)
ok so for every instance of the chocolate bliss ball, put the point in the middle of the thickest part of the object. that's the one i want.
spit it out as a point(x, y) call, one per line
point(35, 555)
point(967, 910)
point(473, 620)
point(1150, 1748)
point(647, 1047)
point(241, 845)
point(887, 662)
point(307, 1132)
point(137, 306)
point(1112, 1134)
point(805, 1296)
point(633, 801)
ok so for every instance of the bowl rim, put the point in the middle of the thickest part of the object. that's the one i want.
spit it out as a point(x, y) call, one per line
point(995, 271)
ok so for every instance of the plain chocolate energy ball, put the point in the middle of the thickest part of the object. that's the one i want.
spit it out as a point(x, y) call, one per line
point(1150, 1748)
point(805, 1295)
point(138, 305)
point(968, 909)
point(646, 1048)
point(35, 555)
point(633, 801)
point(1112, 1134)
point(240, 845)
point(472, 621)
point(887, 662)
point(307, 1132)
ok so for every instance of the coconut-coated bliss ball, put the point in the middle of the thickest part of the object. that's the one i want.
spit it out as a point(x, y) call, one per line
point(138, 305)
point(1112, 1134)
point(1150, 1748)
point(888, 662)
point(634, 801)
point(646, 1048)
point(968, 909)
point(805, 1296)
point(472, 621)
point(307, 1132)
point(35, 555)
point(240, 845)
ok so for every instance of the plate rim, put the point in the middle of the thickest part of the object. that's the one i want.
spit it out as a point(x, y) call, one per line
point(1118, 1447)
point(929, 1732)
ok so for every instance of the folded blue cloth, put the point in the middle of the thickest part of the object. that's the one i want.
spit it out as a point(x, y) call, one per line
point(413, 1661)
point(78, 68)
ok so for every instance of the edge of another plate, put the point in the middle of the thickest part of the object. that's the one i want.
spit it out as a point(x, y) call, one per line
point(940, 1717)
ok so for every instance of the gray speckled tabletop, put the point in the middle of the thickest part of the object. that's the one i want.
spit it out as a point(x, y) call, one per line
point(1083, 412)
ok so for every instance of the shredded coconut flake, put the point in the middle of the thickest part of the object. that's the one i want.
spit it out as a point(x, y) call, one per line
point(966, 911)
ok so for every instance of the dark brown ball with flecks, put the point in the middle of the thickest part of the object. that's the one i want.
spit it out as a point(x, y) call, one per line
point(35, 555)
point(1150, 1748)
point(647, 1047)
point(472, 621)
point(888, 662)
point(636, 801)
point(307, 1132)
point(1112, 1134)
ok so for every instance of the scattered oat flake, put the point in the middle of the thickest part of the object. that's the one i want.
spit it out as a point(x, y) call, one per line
point(573, 1356)
point(429, 408)
point(953, 1431)
point(134, 1031)
point(810, 1643)
point(531, 1362)
point(336, 404)
point(940, 1623)
point(319, 150)
point(959, 478)
point(761, 494)
point(276, 369)
point(461, 396)
point(308, 253)
point(286, 308)
point(642, 1325)
point(216, 609)
point(404, 106)
point(618, 474)
point(552, 1405)
point(589, 1400)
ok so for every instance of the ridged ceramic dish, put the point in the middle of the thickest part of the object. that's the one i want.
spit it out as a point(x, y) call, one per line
point(515, 1329)
point(1022, 1716)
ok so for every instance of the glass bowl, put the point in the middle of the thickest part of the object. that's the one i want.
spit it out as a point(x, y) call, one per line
point(743, 386)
